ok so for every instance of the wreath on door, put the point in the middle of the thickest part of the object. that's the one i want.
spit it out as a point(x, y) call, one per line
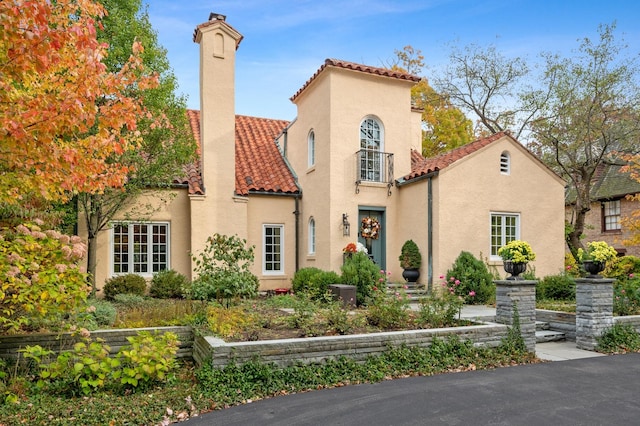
point(370, 228)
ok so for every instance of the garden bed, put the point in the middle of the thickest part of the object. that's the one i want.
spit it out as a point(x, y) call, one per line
point(285, 352)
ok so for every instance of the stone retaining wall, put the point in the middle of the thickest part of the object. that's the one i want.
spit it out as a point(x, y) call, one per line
point(559, 321)
point(316, 349)
point(633, 320)
point(116, 338)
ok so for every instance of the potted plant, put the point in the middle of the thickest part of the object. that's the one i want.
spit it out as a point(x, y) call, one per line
point(410, 261)
point(595, 258)
point(516, 254)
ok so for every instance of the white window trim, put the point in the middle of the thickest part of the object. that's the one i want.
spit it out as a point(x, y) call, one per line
point(312, 236)
point(311, 148)
point(517, 237)
point(149, 274)
point(264, 252)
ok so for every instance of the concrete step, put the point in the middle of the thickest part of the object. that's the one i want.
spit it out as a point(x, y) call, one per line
point(543, 336)
point(541, 325)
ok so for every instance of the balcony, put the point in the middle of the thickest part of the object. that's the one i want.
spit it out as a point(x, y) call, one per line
point(374, 166)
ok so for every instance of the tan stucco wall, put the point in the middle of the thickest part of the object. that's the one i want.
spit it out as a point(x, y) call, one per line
point(472, 188)
point(273, 210)
point(175, 212)
point(334, 106)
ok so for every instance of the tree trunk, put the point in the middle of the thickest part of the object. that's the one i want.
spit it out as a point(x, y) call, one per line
point(92, 250)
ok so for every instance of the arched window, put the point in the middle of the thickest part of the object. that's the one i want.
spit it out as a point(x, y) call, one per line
point(311, 149)
point(505, 163)
point(312, 236)
point(371, 147)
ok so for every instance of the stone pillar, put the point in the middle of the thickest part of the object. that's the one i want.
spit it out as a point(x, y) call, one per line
point(594, 310)
point(522, 293)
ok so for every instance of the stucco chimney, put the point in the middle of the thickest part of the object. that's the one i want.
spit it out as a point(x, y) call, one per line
point(218, 43)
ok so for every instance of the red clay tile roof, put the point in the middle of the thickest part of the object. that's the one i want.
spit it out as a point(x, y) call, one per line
point(259, 164)
point(192, 172)
point(430, 165)
point(356, 67)
point(416, 158)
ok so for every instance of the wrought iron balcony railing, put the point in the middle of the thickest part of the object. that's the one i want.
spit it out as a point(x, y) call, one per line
point(374, 166)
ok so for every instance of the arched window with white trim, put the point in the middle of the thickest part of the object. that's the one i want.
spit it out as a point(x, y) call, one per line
point(371, 150)
point(311, 149)
point(312, 236)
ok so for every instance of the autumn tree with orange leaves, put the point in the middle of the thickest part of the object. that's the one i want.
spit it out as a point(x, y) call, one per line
point(62, 113)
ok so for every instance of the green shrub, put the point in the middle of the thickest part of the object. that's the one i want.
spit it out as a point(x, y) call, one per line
point(623, 267)
point(410, 257)
point(474, 282)
point(124, 284)
point(147, 359)
point(168, 284)
point(223, 270)
point(360, 271)
point(439, 310)
point(556, 287)
point(387, 310)
point(129, 300)
point(100, 313)
point(39, 275)
point(87, 367)
point(619, 338)
point(626, 296)
point(314, 282)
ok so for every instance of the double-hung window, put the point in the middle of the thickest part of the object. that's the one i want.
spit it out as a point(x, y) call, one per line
point(273, 249)
point(611, 216)
point(140, 248)
point(505, 227)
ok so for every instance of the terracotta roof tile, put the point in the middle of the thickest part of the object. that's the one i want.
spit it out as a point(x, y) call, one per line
point(430, 165)
point(356, 67)
point(259, 164)
point(193, 174)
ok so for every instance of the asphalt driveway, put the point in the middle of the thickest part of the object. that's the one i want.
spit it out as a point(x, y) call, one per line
point(591, 391)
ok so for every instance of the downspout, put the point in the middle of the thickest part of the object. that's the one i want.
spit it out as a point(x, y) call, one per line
point(429, 235)
point(297, 231)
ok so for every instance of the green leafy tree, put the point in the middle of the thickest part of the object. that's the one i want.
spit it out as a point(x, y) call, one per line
point(223, 270)
point(165, 149)
point(445, 127)
point(580, 110)
point(590, 114)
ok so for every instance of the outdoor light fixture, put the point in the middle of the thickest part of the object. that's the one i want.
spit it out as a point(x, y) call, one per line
point(346, 226)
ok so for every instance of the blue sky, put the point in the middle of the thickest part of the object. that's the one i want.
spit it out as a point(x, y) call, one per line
point(286, 41)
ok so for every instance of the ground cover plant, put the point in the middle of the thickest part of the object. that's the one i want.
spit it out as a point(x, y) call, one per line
point(193, 390)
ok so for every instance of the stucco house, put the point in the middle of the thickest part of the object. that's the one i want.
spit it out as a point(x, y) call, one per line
point(298, 190)
point(609, 191)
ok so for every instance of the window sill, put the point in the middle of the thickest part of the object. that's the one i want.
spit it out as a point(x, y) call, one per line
point(311, 169)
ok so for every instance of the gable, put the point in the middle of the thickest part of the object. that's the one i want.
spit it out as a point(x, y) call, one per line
point(336, 63)
point(435, 164)
point(259, 164)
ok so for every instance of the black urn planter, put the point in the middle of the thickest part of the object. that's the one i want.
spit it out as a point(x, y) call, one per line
point(593, 268)
point(515, 269)
point(411, 275)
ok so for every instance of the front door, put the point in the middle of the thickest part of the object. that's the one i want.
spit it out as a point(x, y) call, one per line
point(376, 246)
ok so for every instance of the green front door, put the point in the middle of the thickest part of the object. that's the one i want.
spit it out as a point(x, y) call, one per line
point(376, 246)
